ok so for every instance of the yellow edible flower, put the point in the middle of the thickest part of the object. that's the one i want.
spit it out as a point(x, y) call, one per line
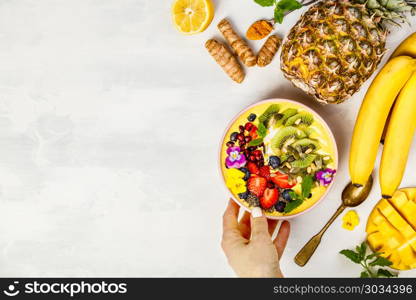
point(234, 180)
point(350, 220)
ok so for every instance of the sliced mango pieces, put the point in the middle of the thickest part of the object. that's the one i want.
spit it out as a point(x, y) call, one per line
point(391, 229)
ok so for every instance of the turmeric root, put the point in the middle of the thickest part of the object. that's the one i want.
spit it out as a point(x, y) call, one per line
point(239, 45)
point(268, 51)
point(259, 30)
point(226, 60)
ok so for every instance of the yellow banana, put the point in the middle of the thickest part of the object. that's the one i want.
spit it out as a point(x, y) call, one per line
point(373, 115)
point(399, 138)
point(407, 47)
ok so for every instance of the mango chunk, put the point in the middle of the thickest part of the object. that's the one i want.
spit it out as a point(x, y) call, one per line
point(411, 193)
point(391, 229)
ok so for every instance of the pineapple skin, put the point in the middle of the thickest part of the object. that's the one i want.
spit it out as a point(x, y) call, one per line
point(332, 50)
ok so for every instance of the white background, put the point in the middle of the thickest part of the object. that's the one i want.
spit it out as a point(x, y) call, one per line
point(110, 122)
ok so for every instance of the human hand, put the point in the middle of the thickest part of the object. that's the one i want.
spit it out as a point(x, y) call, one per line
point(248, 244)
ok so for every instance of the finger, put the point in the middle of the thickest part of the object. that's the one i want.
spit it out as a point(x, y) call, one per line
point(259, 225)
point(229, 219)
point(244, 225)
point(282, 237)
point(272, 226)
point(231, 237)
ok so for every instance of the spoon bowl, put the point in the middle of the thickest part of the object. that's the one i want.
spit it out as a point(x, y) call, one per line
point(353, 196)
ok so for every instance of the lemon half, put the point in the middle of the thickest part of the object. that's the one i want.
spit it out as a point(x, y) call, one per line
point(192, 16)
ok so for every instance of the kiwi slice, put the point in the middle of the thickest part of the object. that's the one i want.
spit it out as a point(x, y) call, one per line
point(319, 162)
point(286, 114)
point(270, 112)
point(304, 117)
point(327, 160)
point(284, 157)
point(282, 136)
point(304, 162)
point(301, 134)
point(306, 143)
point(306, 129)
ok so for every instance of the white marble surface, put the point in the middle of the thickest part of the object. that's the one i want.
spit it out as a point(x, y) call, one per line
point(109, 127)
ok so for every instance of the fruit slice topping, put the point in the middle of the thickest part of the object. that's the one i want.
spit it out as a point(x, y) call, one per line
point(252, 168)
point(282, 180)
point(300, 118)
point(265, 172)
point(304, 162)
point(257, 185)
point(270, 112)
point(269, 198)
point(283, 138)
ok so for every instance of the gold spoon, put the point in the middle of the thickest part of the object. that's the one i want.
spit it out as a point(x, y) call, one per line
point(351, 196)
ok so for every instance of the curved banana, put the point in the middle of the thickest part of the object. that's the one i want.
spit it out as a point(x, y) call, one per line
point(373, 115)
point(399, 139)
point(407, 47)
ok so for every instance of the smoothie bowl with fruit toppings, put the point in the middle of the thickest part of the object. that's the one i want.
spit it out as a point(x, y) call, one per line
point(278, 155)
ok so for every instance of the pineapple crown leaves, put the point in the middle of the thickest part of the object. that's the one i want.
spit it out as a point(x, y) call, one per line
point(390, 10)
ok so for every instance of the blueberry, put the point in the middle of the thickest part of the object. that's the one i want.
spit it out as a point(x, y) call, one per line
point(286, 195)
point(280, 206)
point(233, 136)
point(310, 196)
point(251, 117)
point(243, 195)
point(246, 173)
point(274, 162)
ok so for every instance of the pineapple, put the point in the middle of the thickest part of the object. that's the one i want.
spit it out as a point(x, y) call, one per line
point(336, 45)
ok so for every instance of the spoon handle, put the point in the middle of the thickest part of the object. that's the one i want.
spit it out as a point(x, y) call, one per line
point(308, 250)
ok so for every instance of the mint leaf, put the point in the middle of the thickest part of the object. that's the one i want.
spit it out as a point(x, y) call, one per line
point(294, 196)
point(307, 183)
point(380, 261)
point(361, 250)
point(370, 269)
point(278, 15)
point(353, 256)
point(283, 7)
point(385, 273)
point(262, 130)
point(265, 2)
point(292, 205)
point(288, 5)
point(255, 142)
point(372, 255)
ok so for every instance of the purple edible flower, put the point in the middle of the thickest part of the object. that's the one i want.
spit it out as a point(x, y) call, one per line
point(235, 159)
point(325, 177)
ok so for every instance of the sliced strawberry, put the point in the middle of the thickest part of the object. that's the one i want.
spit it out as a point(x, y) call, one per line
point(282, 180)
point(253, 132)
point(269, 198)
point(257, 185)
point(252, 168)
point(265, 172)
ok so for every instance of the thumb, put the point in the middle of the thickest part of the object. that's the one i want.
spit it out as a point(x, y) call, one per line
point(259, 225)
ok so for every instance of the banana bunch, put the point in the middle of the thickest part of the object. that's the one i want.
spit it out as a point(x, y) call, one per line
point(393, 92)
